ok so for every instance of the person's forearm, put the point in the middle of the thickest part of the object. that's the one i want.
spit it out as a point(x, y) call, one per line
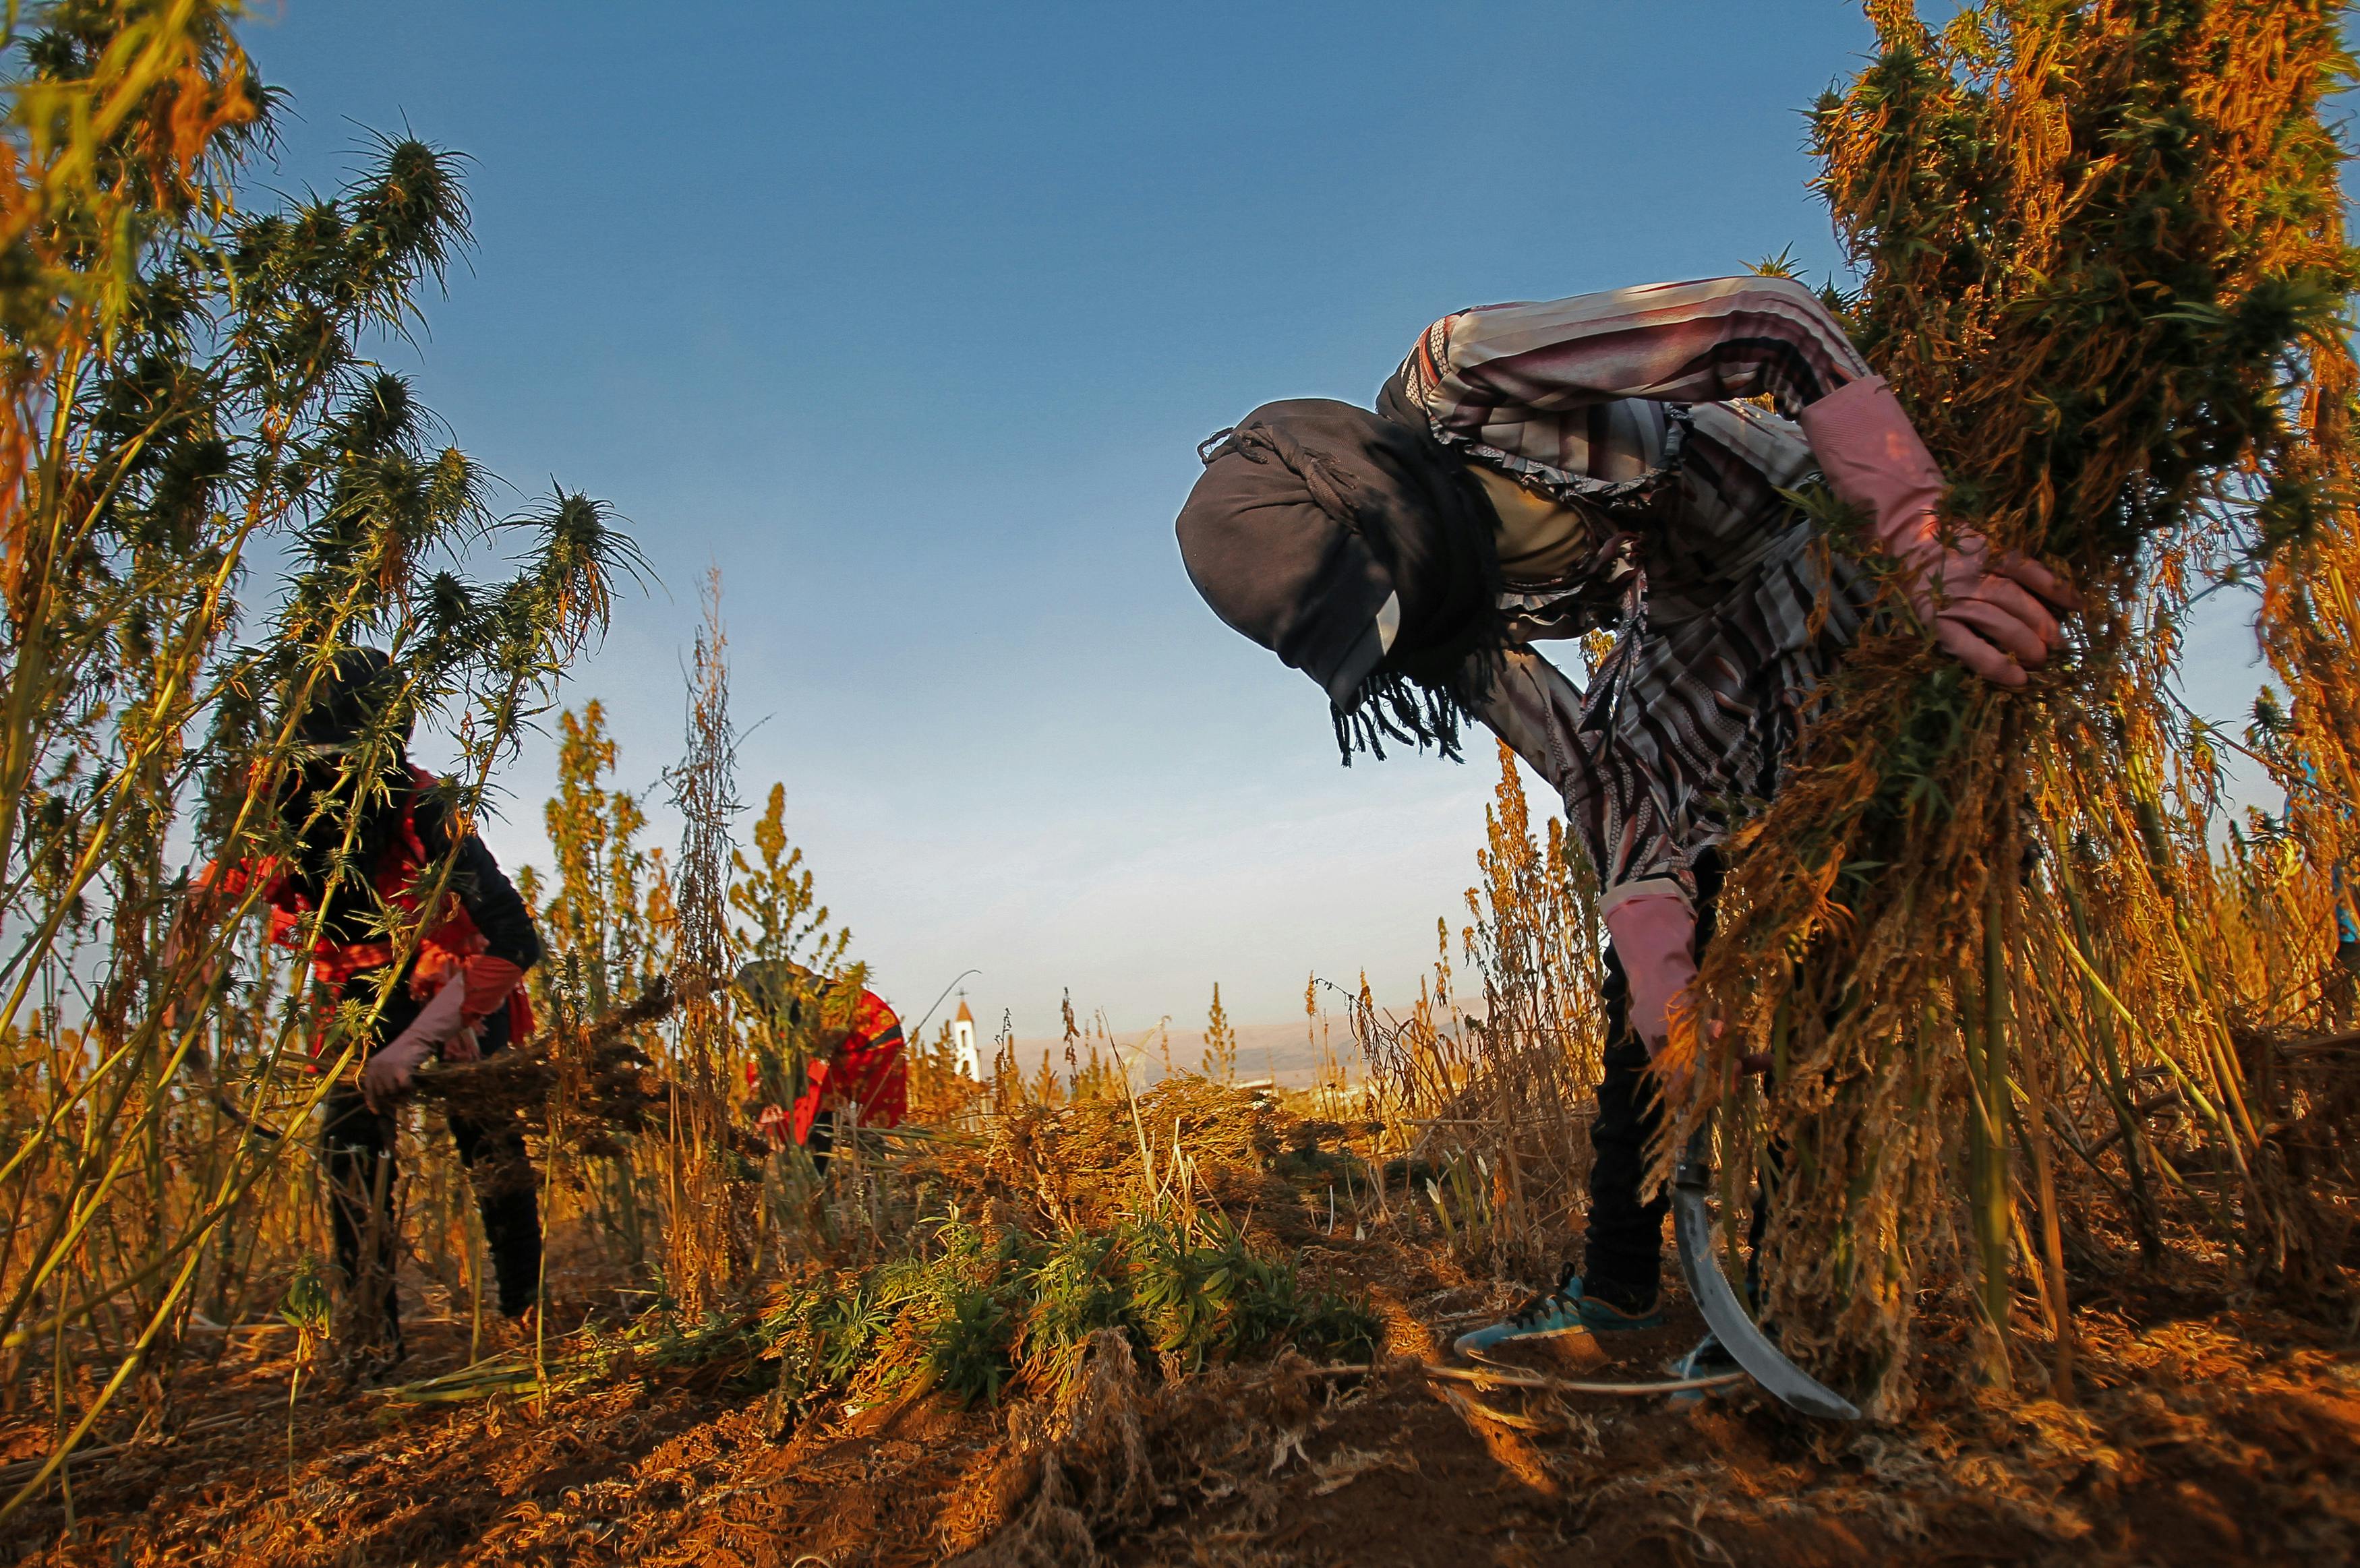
point(1704, 342)
point(1538, 712)
point(512, 944)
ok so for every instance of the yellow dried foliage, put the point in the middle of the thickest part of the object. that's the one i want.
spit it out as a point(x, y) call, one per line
point(2103, 264)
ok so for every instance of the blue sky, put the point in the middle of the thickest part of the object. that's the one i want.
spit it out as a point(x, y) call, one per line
point(909, 318)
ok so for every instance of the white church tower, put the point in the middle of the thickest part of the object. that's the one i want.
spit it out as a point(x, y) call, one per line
point(970, 1060)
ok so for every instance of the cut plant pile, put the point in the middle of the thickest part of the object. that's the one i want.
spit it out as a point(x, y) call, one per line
point(1017, 1397)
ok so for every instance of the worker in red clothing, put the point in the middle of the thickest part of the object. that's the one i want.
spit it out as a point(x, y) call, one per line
point(457, 997)
point(852, 1070)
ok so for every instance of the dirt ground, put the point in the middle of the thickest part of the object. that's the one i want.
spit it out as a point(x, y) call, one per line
point(2199, 1437)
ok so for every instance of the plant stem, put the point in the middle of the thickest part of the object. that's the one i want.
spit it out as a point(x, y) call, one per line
point(1989, 1197)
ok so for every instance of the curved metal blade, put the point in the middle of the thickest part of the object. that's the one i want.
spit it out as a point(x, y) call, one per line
point(1767, 1364)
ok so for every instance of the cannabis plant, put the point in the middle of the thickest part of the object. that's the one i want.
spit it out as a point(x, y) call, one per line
point(208, 490)
point(2101, 259)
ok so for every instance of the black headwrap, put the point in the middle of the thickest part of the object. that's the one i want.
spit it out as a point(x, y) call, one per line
point(1311, 515)
point(327, 785)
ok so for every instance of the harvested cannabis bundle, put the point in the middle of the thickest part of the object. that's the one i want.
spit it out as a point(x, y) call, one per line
point(2103, 263)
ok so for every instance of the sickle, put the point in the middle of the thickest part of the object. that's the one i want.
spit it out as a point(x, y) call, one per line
point(1767, 1364)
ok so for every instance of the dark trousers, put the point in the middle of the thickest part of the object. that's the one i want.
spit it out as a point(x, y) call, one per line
point(821, 1144)
point(357, 1146)
point(1623, 1256)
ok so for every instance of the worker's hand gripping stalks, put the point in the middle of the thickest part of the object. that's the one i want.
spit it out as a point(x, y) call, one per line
point(1994, 613)
point(386, 1074)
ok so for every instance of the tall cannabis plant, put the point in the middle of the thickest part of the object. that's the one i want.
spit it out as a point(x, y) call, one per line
point(607, 922)
point(2102, 260)
point(1220, 1040)
point(607, 928)
point(208, 490)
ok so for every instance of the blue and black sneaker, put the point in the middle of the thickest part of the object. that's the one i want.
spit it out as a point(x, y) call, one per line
point(1560, 1311)
point(1710, 1359)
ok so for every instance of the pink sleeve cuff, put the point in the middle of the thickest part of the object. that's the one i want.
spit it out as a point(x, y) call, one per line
point(1654, 940)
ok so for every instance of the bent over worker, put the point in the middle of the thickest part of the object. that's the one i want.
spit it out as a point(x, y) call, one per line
point(852, 1071)
point(1542, 471)
point(456, 998)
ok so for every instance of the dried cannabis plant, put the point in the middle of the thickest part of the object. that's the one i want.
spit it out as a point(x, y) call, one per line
point(2103, 262)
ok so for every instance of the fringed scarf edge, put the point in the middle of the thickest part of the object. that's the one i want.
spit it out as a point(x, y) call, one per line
point(1394, 704)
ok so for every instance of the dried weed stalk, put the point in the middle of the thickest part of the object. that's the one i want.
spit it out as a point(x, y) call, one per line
point(1495, 1105)
point(706, 1234)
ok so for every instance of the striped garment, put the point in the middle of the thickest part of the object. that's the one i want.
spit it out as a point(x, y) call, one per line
point(1618, 408)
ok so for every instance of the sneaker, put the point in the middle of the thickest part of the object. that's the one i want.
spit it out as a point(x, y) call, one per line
point(1710, 1359)
point(1560, 1311)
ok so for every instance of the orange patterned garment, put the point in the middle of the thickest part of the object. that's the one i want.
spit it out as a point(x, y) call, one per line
point(867, 1081)
point(453, 939)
